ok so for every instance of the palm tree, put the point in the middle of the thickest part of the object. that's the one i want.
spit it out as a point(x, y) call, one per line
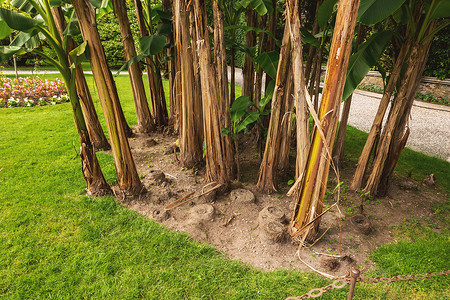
point(416, 37)
point(158, 99)
point(127, 175)
point(309, 190)
point(190, 110)
point(217, 168)
point(144, 118)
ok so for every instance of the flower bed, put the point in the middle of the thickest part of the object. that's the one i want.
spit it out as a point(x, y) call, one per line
point(31, 91)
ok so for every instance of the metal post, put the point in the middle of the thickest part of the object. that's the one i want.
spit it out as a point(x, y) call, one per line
point(355, 275)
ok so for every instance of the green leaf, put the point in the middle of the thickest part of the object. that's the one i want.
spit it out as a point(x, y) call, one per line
point(138, 58)
point(267, 96)
point(325, 11)
point(441, 10)
point(366, 57)
point(79, 53)
point(308, 38)
point(8, 51)
point(151, 45)
point(28, 40)
point(5, 31)
point(55, 3)
point(239, 107)
point(249, 117)
point(23, 5)
point(371, 12)
point(225, 131)
point(262, 7)
point(100, 3)
point(268, 61)
point(73, 27)
point(17, 21)
point(164, 29)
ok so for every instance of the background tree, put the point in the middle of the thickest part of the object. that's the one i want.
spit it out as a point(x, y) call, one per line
point(415, 39)
point(144, 118)
point(148, 36)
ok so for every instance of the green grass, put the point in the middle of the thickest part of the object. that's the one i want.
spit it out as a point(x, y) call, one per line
point(57, 243)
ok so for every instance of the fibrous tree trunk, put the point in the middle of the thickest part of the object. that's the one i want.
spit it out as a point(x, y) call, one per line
point(299, 91)
point(127, 175)
point(375, 130)
point(145, 122)
point(220, 60)
point(96, 134)
point(310, 188)
point(191, 122)
point(286, 125)
point(248, 71)
point(269, 166)
point(92, 173)
point(396, 130)
point(216, 168)
point(157, 97)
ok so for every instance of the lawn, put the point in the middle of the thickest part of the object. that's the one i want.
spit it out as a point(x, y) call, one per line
point(55, 242)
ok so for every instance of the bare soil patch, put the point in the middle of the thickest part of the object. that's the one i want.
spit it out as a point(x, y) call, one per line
point(237, 223)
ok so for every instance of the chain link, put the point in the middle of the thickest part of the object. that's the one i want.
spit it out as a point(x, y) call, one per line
point(401, 277)
point(340, 283)
point(314, 293)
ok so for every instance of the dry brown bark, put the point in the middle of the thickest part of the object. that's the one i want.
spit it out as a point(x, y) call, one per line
point(145, 122)
point(248, 70)
point(127, 175)
point(216, 168)
point(269, 166)
point(396, 132)
point(191, 122)
point(157, 97)
point(310, 189)
point(299, 92)
point(375, 130)
point(286, 125)
point(96, 134)
point(92, 173)
point(220, 60)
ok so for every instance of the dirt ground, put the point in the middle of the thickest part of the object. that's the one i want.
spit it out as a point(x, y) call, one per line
point(235, 222)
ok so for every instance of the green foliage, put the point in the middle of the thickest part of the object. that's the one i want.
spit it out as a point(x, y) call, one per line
point(373, 11)
point(438, 64)
point(326, 9)
point(365, 58)
point(110, 37)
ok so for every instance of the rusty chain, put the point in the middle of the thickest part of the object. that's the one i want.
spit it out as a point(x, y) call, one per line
point(401, 277)
point(340, 283)
point(314, 293)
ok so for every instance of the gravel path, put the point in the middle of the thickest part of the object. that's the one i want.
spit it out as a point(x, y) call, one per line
point(429, 123)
